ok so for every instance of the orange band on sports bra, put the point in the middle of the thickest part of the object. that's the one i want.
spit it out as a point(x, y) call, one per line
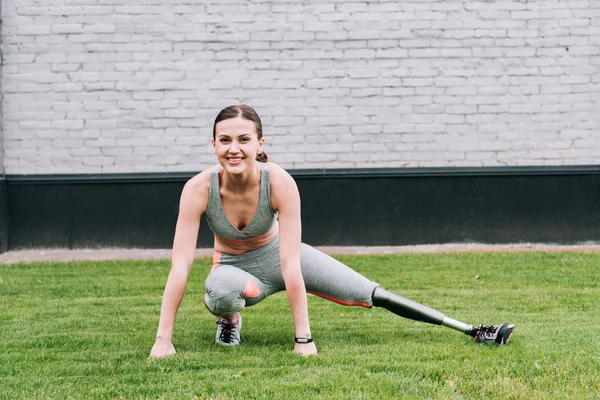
point(241, 246)
point(216, 259)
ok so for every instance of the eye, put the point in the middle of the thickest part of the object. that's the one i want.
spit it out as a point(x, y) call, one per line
point(244, 139)
point(223, 140)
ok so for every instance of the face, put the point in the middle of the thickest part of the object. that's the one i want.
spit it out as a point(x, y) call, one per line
point(236, 144)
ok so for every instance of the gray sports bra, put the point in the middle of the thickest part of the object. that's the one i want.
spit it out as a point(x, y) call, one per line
point(263, 220)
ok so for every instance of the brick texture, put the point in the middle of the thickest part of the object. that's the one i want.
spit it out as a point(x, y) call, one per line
point(2, 200)
point(106, 86)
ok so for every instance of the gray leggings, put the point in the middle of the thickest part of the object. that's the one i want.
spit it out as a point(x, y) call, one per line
point(243, 280)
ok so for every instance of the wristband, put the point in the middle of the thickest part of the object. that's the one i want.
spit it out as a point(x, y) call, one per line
point(303, 340)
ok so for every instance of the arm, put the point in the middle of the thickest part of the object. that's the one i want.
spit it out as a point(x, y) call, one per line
point(192, 204)
point(286, 200)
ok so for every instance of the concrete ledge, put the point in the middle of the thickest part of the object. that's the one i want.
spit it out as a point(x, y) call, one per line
point(62, 255)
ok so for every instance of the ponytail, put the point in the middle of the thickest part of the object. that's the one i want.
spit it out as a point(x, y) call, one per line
point(262, 157)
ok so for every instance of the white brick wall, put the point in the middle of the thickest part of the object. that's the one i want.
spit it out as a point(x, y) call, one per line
point(1, 130)
point(94, 86)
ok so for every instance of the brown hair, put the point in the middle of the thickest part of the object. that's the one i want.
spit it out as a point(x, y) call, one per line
point(246, 112)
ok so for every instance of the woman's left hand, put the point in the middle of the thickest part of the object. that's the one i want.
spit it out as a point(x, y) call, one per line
point(306, 349)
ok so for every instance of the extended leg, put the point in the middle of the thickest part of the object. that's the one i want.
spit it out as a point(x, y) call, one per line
point(411, 309)
point(332, 280)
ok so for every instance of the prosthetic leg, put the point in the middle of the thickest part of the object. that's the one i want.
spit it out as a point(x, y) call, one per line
point(411, 309)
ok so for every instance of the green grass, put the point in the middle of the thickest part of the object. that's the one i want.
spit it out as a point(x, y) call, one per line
point(83, 330)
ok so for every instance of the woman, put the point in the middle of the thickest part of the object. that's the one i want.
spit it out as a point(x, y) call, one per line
point(253, 208)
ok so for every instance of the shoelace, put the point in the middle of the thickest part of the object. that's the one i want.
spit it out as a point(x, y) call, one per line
point(486, 331)
point(226, 331)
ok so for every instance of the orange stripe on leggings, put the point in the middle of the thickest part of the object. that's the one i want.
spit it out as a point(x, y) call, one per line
point(342, 302)
point(216, 260)
point(251, 290)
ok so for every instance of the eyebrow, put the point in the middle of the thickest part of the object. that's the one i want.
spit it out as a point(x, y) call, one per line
point(226, 135)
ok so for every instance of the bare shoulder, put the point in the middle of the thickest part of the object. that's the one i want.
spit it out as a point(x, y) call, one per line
point(278, 175)
point(276, 172)
point(199, 181)
point(284, 190)
point(195, 192)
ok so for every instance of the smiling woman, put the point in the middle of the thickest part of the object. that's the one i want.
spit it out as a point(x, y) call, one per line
point(253, 209)
point(242, 114)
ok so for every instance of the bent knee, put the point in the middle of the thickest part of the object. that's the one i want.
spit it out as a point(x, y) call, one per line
point(227, 290)
point(223, 303)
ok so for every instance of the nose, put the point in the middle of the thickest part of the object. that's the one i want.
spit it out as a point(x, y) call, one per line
point(234, 147)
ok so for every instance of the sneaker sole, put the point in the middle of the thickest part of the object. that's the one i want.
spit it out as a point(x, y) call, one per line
point(504, 333)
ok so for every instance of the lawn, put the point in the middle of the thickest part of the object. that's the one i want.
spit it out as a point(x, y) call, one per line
point(83, 330)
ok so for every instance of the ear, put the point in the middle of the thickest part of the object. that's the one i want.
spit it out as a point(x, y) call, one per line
point(261, 143)
point(213, 145)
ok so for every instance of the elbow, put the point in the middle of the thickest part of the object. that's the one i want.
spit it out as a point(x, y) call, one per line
point(181, 267)
point(291, 270)
point(286, 264)
point(178, 276)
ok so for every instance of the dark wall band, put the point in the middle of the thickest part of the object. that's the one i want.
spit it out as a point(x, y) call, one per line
point(339, 207)
point(3, 216)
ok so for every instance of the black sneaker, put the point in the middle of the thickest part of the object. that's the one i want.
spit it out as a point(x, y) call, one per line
point(493, 334)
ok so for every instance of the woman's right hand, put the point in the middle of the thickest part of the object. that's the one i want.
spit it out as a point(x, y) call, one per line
point(305, 349)
point(161, 349)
